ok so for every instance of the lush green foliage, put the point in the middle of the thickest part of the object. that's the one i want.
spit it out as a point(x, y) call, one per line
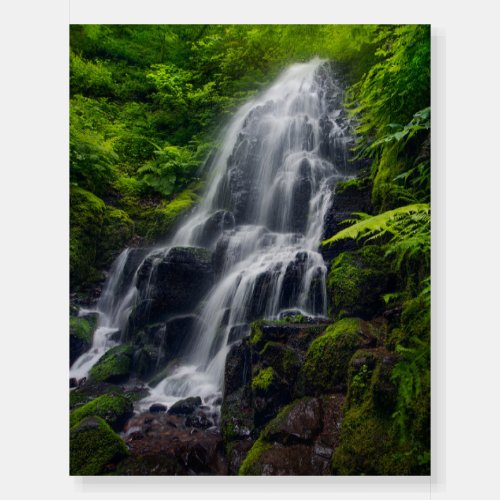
point(112, 408)
point(93, 447)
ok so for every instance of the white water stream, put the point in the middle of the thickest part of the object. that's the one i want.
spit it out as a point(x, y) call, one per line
point(274, 180)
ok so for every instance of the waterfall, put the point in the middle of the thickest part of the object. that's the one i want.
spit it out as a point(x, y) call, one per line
point(269, 188)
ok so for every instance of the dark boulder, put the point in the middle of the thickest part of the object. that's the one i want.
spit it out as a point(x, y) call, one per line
point(215, 225)
point(238, 367)
point(238, 332)
point(162, 444)
point(157, 408)
point(172, 283)
point(349, 197)
point(185, 406)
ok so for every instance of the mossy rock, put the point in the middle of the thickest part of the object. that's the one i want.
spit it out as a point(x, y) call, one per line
point(295, 335)
point(326, 365)
point(117, 230)
point(358, 280)
point(389, 165)
point(94, 447)
point(81, 330)
point(97, 233)
point(91, 390)
point(114, 366)
point(115, 409)
point(86, 219)
point(252, 466)
point(353, 186)
point(264, 379)
point(283, 359)
point(157, 222)
point(237, 416)
point(371, 442)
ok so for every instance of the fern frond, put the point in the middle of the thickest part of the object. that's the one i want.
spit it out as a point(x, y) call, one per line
point(377, 224)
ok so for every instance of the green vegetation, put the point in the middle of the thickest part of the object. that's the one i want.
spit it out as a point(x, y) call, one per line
point(251, 465)
point(113, 408)
point(326, 362)
point(82, 328)
point(114, 366)
point(357, 280)
point(263, 380)
point(94, 447)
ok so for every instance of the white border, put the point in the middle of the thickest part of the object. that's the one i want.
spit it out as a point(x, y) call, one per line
point(33, 207)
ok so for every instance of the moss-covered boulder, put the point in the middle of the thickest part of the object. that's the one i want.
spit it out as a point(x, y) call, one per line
point(298, 336)
point(81, 330)
point(326, 365)
point(115, 409)
point(270, 393)
point(94, 447)
point(299, 440)
point(97, 233)
point(114, 366)
point(86, 219)
point(358, 280)
point(371, 441)
point(283, 359)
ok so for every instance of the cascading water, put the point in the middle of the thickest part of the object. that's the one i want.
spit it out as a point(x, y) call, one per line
point(269, 189)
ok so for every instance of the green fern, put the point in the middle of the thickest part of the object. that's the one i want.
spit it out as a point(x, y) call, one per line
point(393, 222)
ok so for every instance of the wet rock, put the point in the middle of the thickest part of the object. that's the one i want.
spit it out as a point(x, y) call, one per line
point(301, 422)
point(199, 421)
point(171, 284)
point(238, 332)
point(73, 382)
point(185, 406)
point(238, 367)
point(166, 446)
point(299, 441)
point(349, 197)
point(157, 408)
point(215, 225)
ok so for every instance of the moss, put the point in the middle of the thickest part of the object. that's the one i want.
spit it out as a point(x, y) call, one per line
point(114, 365)
point(328, 356)
point(282, 358)
point(113, 408)
point(384, 197)
point(263, 380)
point(237, 416)
point(97, 232)
point(82, 328)
point(353, 185)
point(357, 281)
point(86, 218)
point(94, 447)
point(158, 221)
point(117, 230)
point(370, 442)
point(251, 465)
point(256, 335)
